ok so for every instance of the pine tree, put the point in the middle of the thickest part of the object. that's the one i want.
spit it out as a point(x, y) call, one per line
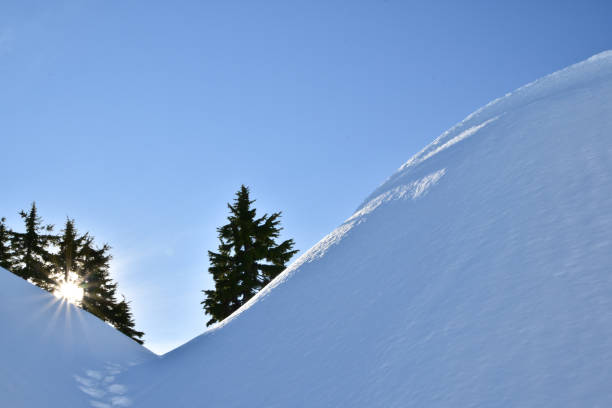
point(33, 259)
point(77, 260)
point(66, 263)
point(69, 250)
point(248, 257)
point(100, 290)
point(124, 322)
point(81, 262)
point(6, 254)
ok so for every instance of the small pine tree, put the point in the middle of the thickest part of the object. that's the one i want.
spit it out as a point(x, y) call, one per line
point(32, 257)
point(6, 254)
point(100, 290)
point(124, 321)
point(248, 257)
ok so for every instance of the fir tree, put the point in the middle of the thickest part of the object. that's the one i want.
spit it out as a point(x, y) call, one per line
point(77, 260)
point(69, 250)
point(100, 290)
point(80, 261)
point(6, 254)
point(67, 262)
point(33, 260)
point(248, 257)
point(124, 322)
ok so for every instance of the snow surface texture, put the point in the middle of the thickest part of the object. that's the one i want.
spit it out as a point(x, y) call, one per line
point(53, 354)
point(479, 274)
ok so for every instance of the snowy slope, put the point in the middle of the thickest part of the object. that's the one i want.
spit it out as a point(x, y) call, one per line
point(53, 354)
point(479, 274)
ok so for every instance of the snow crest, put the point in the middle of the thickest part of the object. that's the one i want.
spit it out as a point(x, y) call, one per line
point(477, 275)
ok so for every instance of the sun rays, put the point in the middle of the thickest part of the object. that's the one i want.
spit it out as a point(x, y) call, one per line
point(70, 290)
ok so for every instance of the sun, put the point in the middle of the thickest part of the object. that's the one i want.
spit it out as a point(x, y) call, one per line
point(70, 291)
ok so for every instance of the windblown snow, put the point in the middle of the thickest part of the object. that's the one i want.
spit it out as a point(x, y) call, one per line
point(479, 274)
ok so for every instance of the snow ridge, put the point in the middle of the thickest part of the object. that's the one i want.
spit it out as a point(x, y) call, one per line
point(476, 275)
point(594, 69)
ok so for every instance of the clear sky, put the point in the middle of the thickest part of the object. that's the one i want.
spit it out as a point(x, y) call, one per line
point(140, 119)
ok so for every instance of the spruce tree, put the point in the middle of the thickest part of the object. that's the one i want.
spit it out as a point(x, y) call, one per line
point(248, 257)
point(69, 250)
point(67, 262)
point(6, 254)
point(100, 291)
point(99, 288)
point(124, 322)
point(77, 260)
point(32, 257)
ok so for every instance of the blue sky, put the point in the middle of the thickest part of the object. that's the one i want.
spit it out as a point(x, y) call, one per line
point(140, 119)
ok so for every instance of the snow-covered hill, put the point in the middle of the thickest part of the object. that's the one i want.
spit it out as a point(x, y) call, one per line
point(479, 274)
point(53, 354)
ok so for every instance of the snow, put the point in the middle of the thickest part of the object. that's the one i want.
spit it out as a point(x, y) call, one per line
point(477, 275)
point(56, 355)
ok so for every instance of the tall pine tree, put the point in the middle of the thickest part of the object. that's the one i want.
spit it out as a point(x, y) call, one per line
point(6, 254)
point(248, 257)
point(31, 249)
point(100, 291)
point(70, 244)
point(99, 295)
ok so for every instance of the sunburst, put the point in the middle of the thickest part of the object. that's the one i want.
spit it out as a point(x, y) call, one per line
point(69, 290)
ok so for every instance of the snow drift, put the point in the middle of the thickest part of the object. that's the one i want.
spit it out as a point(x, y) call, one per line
point(479, 274)
point(53, 354)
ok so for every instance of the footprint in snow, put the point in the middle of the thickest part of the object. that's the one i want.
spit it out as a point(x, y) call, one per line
point(101, 387)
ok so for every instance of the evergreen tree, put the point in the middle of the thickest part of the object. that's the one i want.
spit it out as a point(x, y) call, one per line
point(248, 257)
point(124, 322)
point(100, 290)
point(67, 262)
point(70, 245)
point(77, 261)
point(33, 260)
point(6, 254)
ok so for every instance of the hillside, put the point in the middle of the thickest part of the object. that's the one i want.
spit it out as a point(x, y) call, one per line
point(56, 355)
point(479, 274)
